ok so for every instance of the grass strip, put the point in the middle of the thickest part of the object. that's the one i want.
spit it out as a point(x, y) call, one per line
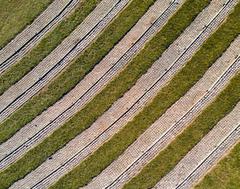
point(76, 71)
point(180, 84)
point(138, 66)
point(226, 174)
point(170, 156)
point(46, 45)
point(15, 16)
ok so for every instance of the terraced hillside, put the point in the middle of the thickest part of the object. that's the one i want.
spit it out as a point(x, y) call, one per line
point(120, 94)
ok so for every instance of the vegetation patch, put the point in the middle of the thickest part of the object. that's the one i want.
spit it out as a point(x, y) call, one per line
point(226, 175)
point(46, 45)
point(180, 84)
point(84, 118)
point(76, 71)
point(170, 156)
point(15, 16)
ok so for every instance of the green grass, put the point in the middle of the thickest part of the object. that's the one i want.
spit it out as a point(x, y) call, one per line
point(76, 71)
point(111, 93)
point(15, 16)
point(226, 175)
point(46, 45)
point(180, 84)
point(170, 156)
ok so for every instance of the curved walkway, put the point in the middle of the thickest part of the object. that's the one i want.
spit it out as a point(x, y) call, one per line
point(165, 129)
point(61, 160)
point(205, 154)
point(62, 56)
point(31, 35)
point(110, 65)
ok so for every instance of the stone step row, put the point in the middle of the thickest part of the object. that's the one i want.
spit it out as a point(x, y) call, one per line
point(86, 97)
point(61, 57)
point(32, 34)
point(83, 141)
point(205, 154)
point(166, 128)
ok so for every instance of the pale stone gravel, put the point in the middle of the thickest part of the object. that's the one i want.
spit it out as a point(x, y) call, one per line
point(205, 154)
point(45, 120)
point(60, 57)
point(168, 126)
point(66, 153)
point(32, 34)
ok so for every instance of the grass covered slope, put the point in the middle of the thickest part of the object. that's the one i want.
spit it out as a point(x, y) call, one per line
point(46, 45)
point(77, 70)
point(107, 153)
point(69, 79)
point(111, 93)
point(170, 156)
point(15, 16)
point(226, 174)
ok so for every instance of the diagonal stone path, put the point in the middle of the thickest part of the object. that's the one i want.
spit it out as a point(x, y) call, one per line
point(71, 147)
point(165, 129)
point(205, 154)
point(32, 34)
point(40, 132)
point(60, 57)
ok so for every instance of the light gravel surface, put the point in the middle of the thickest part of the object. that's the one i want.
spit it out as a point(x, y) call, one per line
point(169, 125)
point(84, 95)
point(32, 34)
point(205, 154)
point(83, 139)
point(60, 57)
point(151, 18)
